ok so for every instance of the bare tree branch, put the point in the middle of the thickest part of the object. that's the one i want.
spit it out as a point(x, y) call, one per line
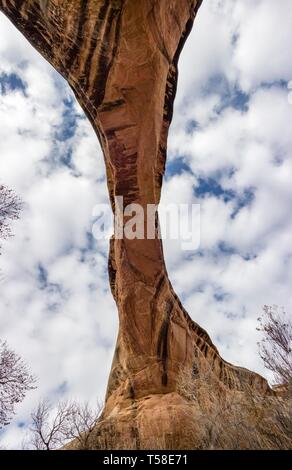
point(15, 381)
point(276, 345)
point(10, 207)
point(53, 428)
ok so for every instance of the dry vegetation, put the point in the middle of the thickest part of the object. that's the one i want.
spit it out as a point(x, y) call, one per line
point(237, 420)
point(248, 420)
point(215, 420)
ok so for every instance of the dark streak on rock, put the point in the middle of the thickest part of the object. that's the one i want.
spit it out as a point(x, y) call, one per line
point(158, 289)
point(134, 409)
point(221, 375)
point(170, 92)
point(110, 133)
point(127, 183)
point(73, 52)
point(17, 4)
point(132, 392)
point(111, 105)
point(100, 18)
point(31, 27)
point(198, 4)
point(111, 270)
point(206, 350)
point(106, 59)
point(159, 286)
point(172, 78)
point(162, 343)
point(162, 151)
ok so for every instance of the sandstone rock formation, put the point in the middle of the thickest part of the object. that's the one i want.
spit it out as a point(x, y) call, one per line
point(120, 58)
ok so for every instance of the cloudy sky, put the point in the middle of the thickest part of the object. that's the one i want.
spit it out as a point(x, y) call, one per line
point(230, 150)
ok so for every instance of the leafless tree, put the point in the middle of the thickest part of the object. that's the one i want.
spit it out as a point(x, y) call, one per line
point(53, 428)
point(83, 422)
point(10, 207)
point(15, 381)
point(276, 345)
point(48, 432)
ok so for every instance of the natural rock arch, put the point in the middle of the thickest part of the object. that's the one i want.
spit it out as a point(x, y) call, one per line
point(120, 58)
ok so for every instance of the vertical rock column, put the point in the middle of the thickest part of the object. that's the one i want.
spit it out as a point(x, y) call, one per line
point(133, 121)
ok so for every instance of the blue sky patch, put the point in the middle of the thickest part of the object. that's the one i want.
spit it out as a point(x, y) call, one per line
point(211, 187)
point(11, 82)
point(90, 246)
point(176, 167)
point(243, 200)
point(226, 249)
point(275, 84)
point(69, 124)
point(191, 126)
point(220, 296)
point(42, 276)
point(230, 96)
point(21, 424)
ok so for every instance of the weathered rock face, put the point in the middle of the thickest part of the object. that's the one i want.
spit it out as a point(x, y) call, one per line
point(120, 58)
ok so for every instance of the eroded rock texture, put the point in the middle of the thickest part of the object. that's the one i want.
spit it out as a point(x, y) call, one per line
point(120, 58)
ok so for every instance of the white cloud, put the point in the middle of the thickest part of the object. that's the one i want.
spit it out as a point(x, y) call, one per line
point(208, 52)
point(69, 320)
point(264, 34)
point(244, 142)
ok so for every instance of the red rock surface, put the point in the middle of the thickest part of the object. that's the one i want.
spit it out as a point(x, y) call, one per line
point(120, 58)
